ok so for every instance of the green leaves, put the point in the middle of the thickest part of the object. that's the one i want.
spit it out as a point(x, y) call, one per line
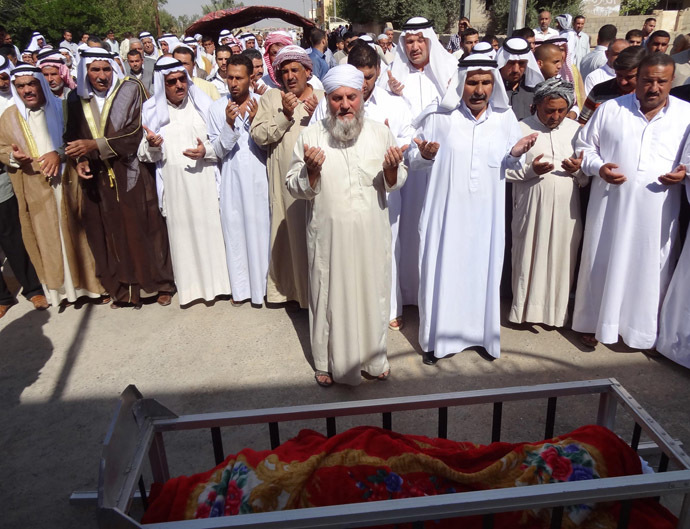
point(444, 14)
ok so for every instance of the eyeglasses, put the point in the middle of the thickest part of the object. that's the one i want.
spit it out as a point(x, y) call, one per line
point(173, 82)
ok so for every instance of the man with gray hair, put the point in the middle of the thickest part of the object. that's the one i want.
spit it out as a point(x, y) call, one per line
point(344, 165)
point(547, 223)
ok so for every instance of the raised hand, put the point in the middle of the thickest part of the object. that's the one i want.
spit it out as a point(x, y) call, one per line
point(313, 160)
point(427, 149)
point(259, 88)
point(50, 163)
point(394, 157)
point(84, 170)
point(20, 156)
point(77, 148)
point(153, 139)
point(310, 104)
point(572, 164)
point(524, 145)
point(395, 85)
point(674, 177)
point(540, 167)
point(252, 107)
point(290, 103)
point(609, 175)
point(197, 153)
point(232, 110)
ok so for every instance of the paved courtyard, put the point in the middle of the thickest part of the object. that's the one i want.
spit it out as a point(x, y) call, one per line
point(61, 374)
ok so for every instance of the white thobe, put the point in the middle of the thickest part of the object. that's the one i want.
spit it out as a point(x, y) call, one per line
point(546, 227)
point(631, 231)
point(541, 37)
point(419, 92)
point(39, 130)
point(604, 73)
point(349, 248)
point(384, 107)
point(189, 201)
point(581, 47)
point(216, 80)
point(674, 321)
point(462, 228)
point(244, 209)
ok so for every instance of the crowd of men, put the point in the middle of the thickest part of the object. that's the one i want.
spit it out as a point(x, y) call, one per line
point(355, 174)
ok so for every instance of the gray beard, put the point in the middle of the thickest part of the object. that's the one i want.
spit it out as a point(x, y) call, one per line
point(344, 133)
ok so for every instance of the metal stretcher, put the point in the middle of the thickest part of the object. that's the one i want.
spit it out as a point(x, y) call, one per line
point(136, 432)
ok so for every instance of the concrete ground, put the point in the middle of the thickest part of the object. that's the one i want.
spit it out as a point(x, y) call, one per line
point(61, 372)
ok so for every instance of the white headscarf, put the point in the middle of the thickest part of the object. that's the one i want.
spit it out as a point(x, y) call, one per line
point(6, 65)
point(485, 49)
point(33, 45)
point(224, 34)
point(89, 55)
point(442, 65)
point(188, 42)
point(343, 75)
point(518, 49)
point(53, 106)
point(472, 63)
point(245, 37)
point(147, 35)
point(171, 40)
point(155, 114)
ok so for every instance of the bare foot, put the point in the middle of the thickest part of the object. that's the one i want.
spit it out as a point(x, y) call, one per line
point(589, 340)
point(396, 324)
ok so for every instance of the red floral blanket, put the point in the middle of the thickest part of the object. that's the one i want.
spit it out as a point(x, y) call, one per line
point(370, 464)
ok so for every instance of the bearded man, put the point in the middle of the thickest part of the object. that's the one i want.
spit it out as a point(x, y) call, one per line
point(55, 71)
point(343, 167)
point(467, 141)
point(31, 148)
point(547, 223)
point(124, 227)
point(175, 121)
point(281, 116)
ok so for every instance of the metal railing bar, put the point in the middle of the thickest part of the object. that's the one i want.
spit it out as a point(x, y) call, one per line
point(496, 422)
point(443, 422)
point(556, 517)
point(550, 417)
point(142, 493)
point(387, 420)
point(330, 426)
point(635, 441)
point(362, 407)
point(624, 516)
point(217, 440)
point(274, 433)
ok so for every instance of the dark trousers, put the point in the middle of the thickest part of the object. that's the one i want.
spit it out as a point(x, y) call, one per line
point(12, 244)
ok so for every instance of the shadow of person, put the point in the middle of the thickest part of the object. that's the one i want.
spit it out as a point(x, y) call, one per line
point(24, 352)
point(300, 321)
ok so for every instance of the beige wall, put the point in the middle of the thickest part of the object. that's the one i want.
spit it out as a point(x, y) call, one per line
point(674, 22)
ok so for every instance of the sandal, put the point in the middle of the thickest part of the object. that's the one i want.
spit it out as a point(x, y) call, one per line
point(385, 375)
point(323, 383)
point(589, 340)
point(396, 324)
point(104, 300)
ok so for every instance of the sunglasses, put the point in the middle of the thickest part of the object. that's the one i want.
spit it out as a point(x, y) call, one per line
point(173, 82)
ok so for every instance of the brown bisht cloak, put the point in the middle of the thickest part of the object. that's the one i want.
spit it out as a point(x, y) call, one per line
point(38, 213)
point(125, 229)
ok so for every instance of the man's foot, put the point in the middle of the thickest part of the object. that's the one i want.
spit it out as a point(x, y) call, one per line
point(40, 302)
point(104, 299)
point(236, 303)
point(589, 340)
point(429, 359)
point(323, 379)
point(396, 324)
point(652, 353)
point(164, 299)
point(384, 375)
point(4, 309)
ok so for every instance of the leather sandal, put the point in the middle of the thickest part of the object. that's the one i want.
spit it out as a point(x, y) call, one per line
point(323, 383)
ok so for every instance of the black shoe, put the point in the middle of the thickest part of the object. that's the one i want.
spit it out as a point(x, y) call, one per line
point(429, 359)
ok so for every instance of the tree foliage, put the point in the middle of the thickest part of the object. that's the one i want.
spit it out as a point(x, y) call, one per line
point(444, 14)
point(638, 7)
point(96, 17)
point(498, 12)
point(217, 5)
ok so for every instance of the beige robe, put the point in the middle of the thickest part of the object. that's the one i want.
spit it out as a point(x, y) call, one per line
point(349, 245)
point(287, 275)
point(547, 227)
point(49, 213)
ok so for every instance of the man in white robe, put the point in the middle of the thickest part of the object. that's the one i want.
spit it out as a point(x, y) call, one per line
point(343, 166)
point(467, 141)
point(420, 73)
point(149, 44)
point(177, 141)
point(244, 210)
point(631, 231)
point(384, 107)
point(674, 321)
point(547, 223)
